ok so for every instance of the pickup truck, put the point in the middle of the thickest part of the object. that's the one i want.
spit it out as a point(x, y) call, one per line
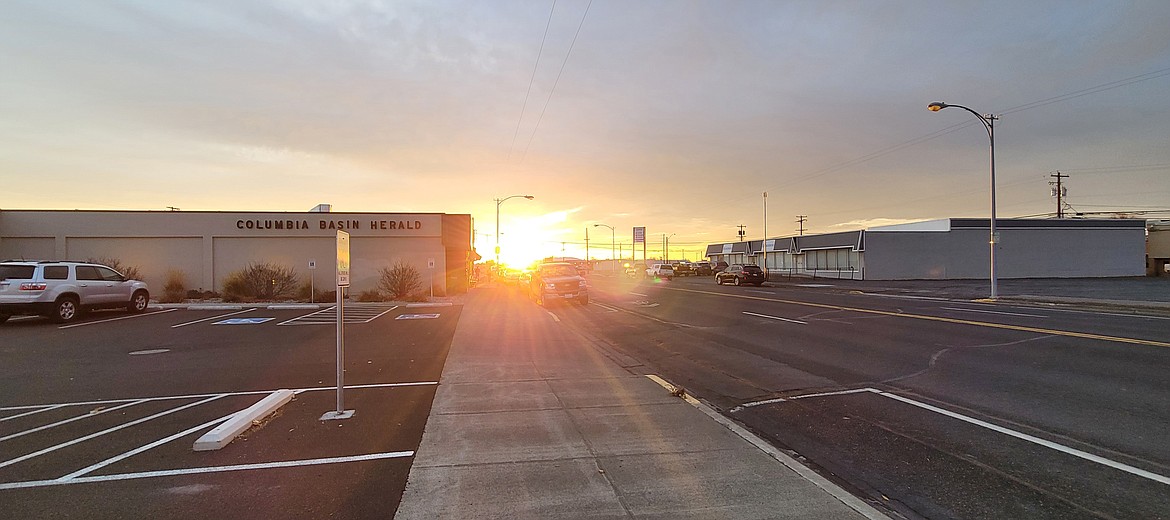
point(683, 269)
point(658, 271)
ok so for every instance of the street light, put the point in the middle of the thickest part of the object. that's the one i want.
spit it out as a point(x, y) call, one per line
point(612, 242)
point(498, 202)
point(666, 247)
point(989, 125)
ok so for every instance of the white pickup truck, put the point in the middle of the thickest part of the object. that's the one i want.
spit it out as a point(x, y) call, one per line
point(658, 271)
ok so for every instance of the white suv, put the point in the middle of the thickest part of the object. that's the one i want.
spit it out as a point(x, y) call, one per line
point(62, 290)
point(661, 271)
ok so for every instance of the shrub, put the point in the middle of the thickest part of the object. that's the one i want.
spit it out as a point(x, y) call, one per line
point(129, 271)
point(260, 281)
point(175, 287)
point(400, 280)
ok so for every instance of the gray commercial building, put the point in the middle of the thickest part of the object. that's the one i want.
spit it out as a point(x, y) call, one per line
point(207, 246)
point(955, 248)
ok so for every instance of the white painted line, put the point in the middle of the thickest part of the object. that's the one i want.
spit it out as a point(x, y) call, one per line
point(606, 307)
point(34, 412)
point(1036, 440)
point(223, 434)
point(71, 419)
point(414, 316)
point(116, 319)
point(226, 394)
point(639, 294)
point(103, 432)
point(383, 313)
point(554, 316)
point(769, 293)
point(1099, 313)
point(211, 469)
point(993, 312)
point(141, 449)
point(814, 285)
point(774, 317)
point(242, 321)
point(292, 306)
point(212, 318)
point(1012, 433)
point(149, 352)
point(795, 397)
point(436, 304)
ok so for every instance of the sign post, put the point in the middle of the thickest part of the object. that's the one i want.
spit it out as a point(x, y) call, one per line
point(342, 284)
point(431, 275)
point(312, 280)
point(639, 236)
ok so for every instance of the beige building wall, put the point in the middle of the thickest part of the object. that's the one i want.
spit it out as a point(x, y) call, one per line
point(207, 246)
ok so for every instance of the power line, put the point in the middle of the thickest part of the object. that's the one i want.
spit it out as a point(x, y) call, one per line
point(1091, 90)
point(558, 80)
point(533, 78)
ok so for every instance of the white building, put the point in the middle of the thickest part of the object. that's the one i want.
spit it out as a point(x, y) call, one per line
point(207, 246)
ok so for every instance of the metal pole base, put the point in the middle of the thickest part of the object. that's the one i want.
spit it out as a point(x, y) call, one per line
point(336, 416)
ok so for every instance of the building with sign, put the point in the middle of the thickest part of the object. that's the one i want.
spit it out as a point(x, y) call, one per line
point(953, 249)
point(207, 246)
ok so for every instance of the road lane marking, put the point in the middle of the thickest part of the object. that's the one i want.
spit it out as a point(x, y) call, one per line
point(140, 449)
point(639, 294)
point(994, 312)
point(209, 469)
point(212, 318)
point(606, 307)
point(774, 318)
point(554, 316)
point(1162, 479)
point(116, 319)
point(795, 397)
point(927, 317)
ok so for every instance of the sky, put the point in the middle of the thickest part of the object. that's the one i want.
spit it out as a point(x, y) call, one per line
point(673, 115)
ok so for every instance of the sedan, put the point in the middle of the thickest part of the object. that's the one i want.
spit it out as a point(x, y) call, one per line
point(738, 274)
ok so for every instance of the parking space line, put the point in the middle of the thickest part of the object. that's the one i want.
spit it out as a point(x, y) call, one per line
point(34, 412)
point(227, 394)
point(71, 419)
point(212, 318)
point(210, 469)
point(116, 319)
point(108, 430)
point(141, 449)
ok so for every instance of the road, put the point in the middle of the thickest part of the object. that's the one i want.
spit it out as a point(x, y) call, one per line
point(936, 408)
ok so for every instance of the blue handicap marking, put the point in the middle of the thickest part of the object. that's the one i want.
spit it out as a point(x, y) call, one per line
point(242, 321)
point(416, 316)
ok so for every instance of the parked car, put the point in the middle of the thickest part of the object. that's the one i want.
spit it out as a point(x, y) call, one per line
point(683, 269)
point(658, 271)
point(738, 274)
point(719, 266)
point(557, 281)
point(62, 291)
point(702, 268)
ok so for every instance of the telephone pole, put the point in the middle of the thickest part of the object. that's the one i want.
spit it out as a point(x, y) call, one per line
point(801, 219)
point(1058, 191)
point(741, 232)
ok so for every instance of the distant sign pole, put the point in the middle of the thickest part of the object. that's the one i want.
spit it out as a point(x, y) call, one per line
point(342, 283)
point(312, 281)
point(639, 236)
point(431, 275)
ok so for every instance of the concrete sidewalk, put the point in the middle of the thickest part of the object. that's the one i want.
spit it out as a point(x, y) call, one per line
point(530, 420)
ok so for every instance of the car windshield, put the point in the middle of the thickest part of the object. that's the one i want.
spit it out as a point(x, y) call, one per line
point(17, 272)
point(558, 270)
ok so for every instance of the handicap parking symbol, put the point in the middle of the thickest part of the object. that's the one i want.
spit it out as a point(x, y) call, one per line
point(242, 321)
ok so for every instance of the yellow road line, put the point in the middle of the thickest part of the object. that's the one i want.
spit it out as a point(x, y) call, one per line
point(1037, 330)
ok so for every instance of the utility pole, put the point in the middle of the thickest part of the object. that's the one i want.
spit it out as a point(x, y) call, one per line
point(1058, 191)
point(801, 219)
point(741, 232)
point(586, 244)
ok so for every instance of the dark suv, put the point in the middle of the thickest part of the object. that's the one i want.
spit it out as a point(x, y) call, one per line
point(737, 274)
point(702, 268)
point(63, 290)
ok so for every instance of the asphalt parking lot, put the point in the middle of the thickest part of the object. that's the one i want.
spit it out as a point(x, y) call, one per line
point(98, 418)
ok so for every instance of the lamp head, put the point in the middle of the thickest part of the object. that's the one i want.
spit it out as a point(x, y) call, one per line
point(529, 197)
point(936, 106)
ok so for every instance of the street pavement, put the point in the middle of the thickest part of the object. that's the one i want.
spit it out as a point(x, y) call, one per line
point(532, 420)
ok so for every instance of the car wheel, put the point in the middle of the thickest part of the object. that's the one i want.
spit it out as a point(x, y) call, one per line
point(718, 281)
point(584, 300)
point(736, 281)
point(138, 302)
point(65, 310)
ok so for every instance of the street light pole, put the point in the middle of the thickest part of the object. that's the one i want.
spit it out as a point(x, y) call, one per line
point(666, 247)
point(612, 242)
point(989, 125)
point(498, 202)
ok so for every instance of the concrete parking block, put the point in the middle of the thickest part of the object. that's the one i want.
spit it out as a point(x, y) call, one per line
point(223, 434)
